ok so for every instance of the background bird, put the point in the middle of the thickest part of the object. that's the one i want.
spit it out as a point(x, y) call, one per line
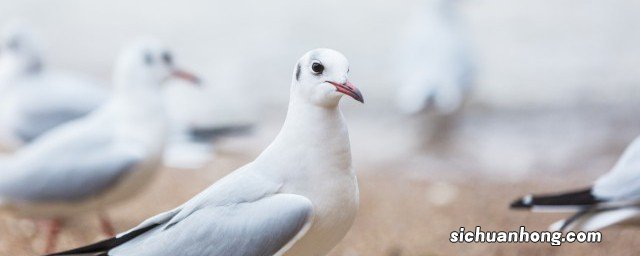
point(201, 117)
point(193, 147)
point(613, 199)
point(198, 122)
point(34, 98)
point(299, 197)
point(435, 63)
point(435, 69)
point(88, 164)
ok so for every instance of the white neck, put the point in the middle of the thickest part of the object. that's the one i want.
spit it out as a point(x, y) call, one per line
point(313, 139)
point(140, 116)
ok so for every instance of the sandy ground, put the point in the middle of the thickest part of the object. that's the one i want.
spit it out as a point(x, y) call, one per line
point(412, 199)
point(397, 217)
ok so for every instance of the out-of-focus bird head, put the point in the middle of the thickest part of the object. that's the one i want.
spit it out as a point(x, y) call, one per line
point(20, 51)
point(321, 77)
point(147, 64)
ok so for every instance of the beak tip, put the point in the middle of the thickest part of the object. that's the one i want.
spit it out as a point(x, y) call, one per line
point(358, 96)
point(348, 89)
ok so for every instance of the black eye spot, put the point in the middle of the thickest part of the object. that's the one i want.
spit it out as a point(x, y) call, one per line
point(317, 68)
point(167, 58)
point(148, 59)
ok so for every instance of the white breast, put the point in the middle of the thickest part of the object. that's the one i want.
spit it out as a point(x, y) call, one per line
point(335, 207)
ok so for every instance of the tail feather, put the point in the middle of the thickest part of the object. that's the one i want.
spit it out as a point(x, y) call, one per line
point(575, 200)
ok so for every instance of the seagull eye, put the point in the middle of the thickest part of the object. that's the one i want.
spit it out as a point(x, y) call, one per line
point(317, 68)
point(167, 58)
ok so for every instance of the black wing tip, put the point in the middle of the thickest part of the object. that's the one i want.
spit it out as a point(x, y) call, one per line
point(523, 203)
point(99, 248)
point(103, 247)
point(89, 254)
point(582, 197)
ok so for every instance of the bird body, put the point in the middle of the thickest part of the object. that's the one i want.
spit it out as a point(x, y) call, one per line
point(298, 197)
point(310, 134)
point(329, 183)
point(435, 66)
point(59, 185)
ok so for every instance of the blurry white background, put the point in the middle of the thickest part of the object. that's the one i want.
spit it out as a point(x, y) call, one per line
point(529, 53)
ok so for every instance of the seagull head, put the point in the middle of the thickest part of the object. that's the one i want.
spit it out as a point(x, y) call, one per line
point(322, 77)
point(148, 63)
point(19, 49)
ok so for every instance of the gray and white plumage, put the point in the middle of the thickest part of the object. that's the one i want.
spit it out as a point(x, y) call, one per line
point(89, 163)
point(434, 64)
point(299, 197)
point(33, 98)
point(225, 220)
point(72, 163)
point(613, 199)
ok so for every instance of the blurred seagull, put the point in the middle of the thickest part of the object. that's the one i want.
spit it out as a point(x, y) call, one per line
point(34, 99)
point(613, 199)
point(90, 163)
point(199, 118)
point(299, 197)
point(435, 65)
point(202, 116)
point(192, 147)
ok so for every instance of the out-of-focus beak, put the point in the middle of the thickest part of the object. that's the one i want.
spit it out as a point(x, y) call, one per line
point(348, 89)
point(178, 73)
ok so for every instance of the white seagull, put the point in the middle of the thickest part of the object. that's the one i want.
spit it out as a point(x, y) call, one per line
point(613, 199)
point(435, 64)
point(299, 197)
point(90, 163)
point(33, 98)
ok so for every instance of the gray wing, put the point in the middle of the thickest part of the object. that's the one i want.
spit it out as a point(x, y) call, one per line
point(34, 124)
point(263, 227)
point(70, 164)
point(66, 179)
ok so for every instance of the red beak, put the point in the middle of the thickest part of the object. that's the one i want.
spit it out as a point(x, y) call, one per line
point(348, 89)
point(178, 73)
